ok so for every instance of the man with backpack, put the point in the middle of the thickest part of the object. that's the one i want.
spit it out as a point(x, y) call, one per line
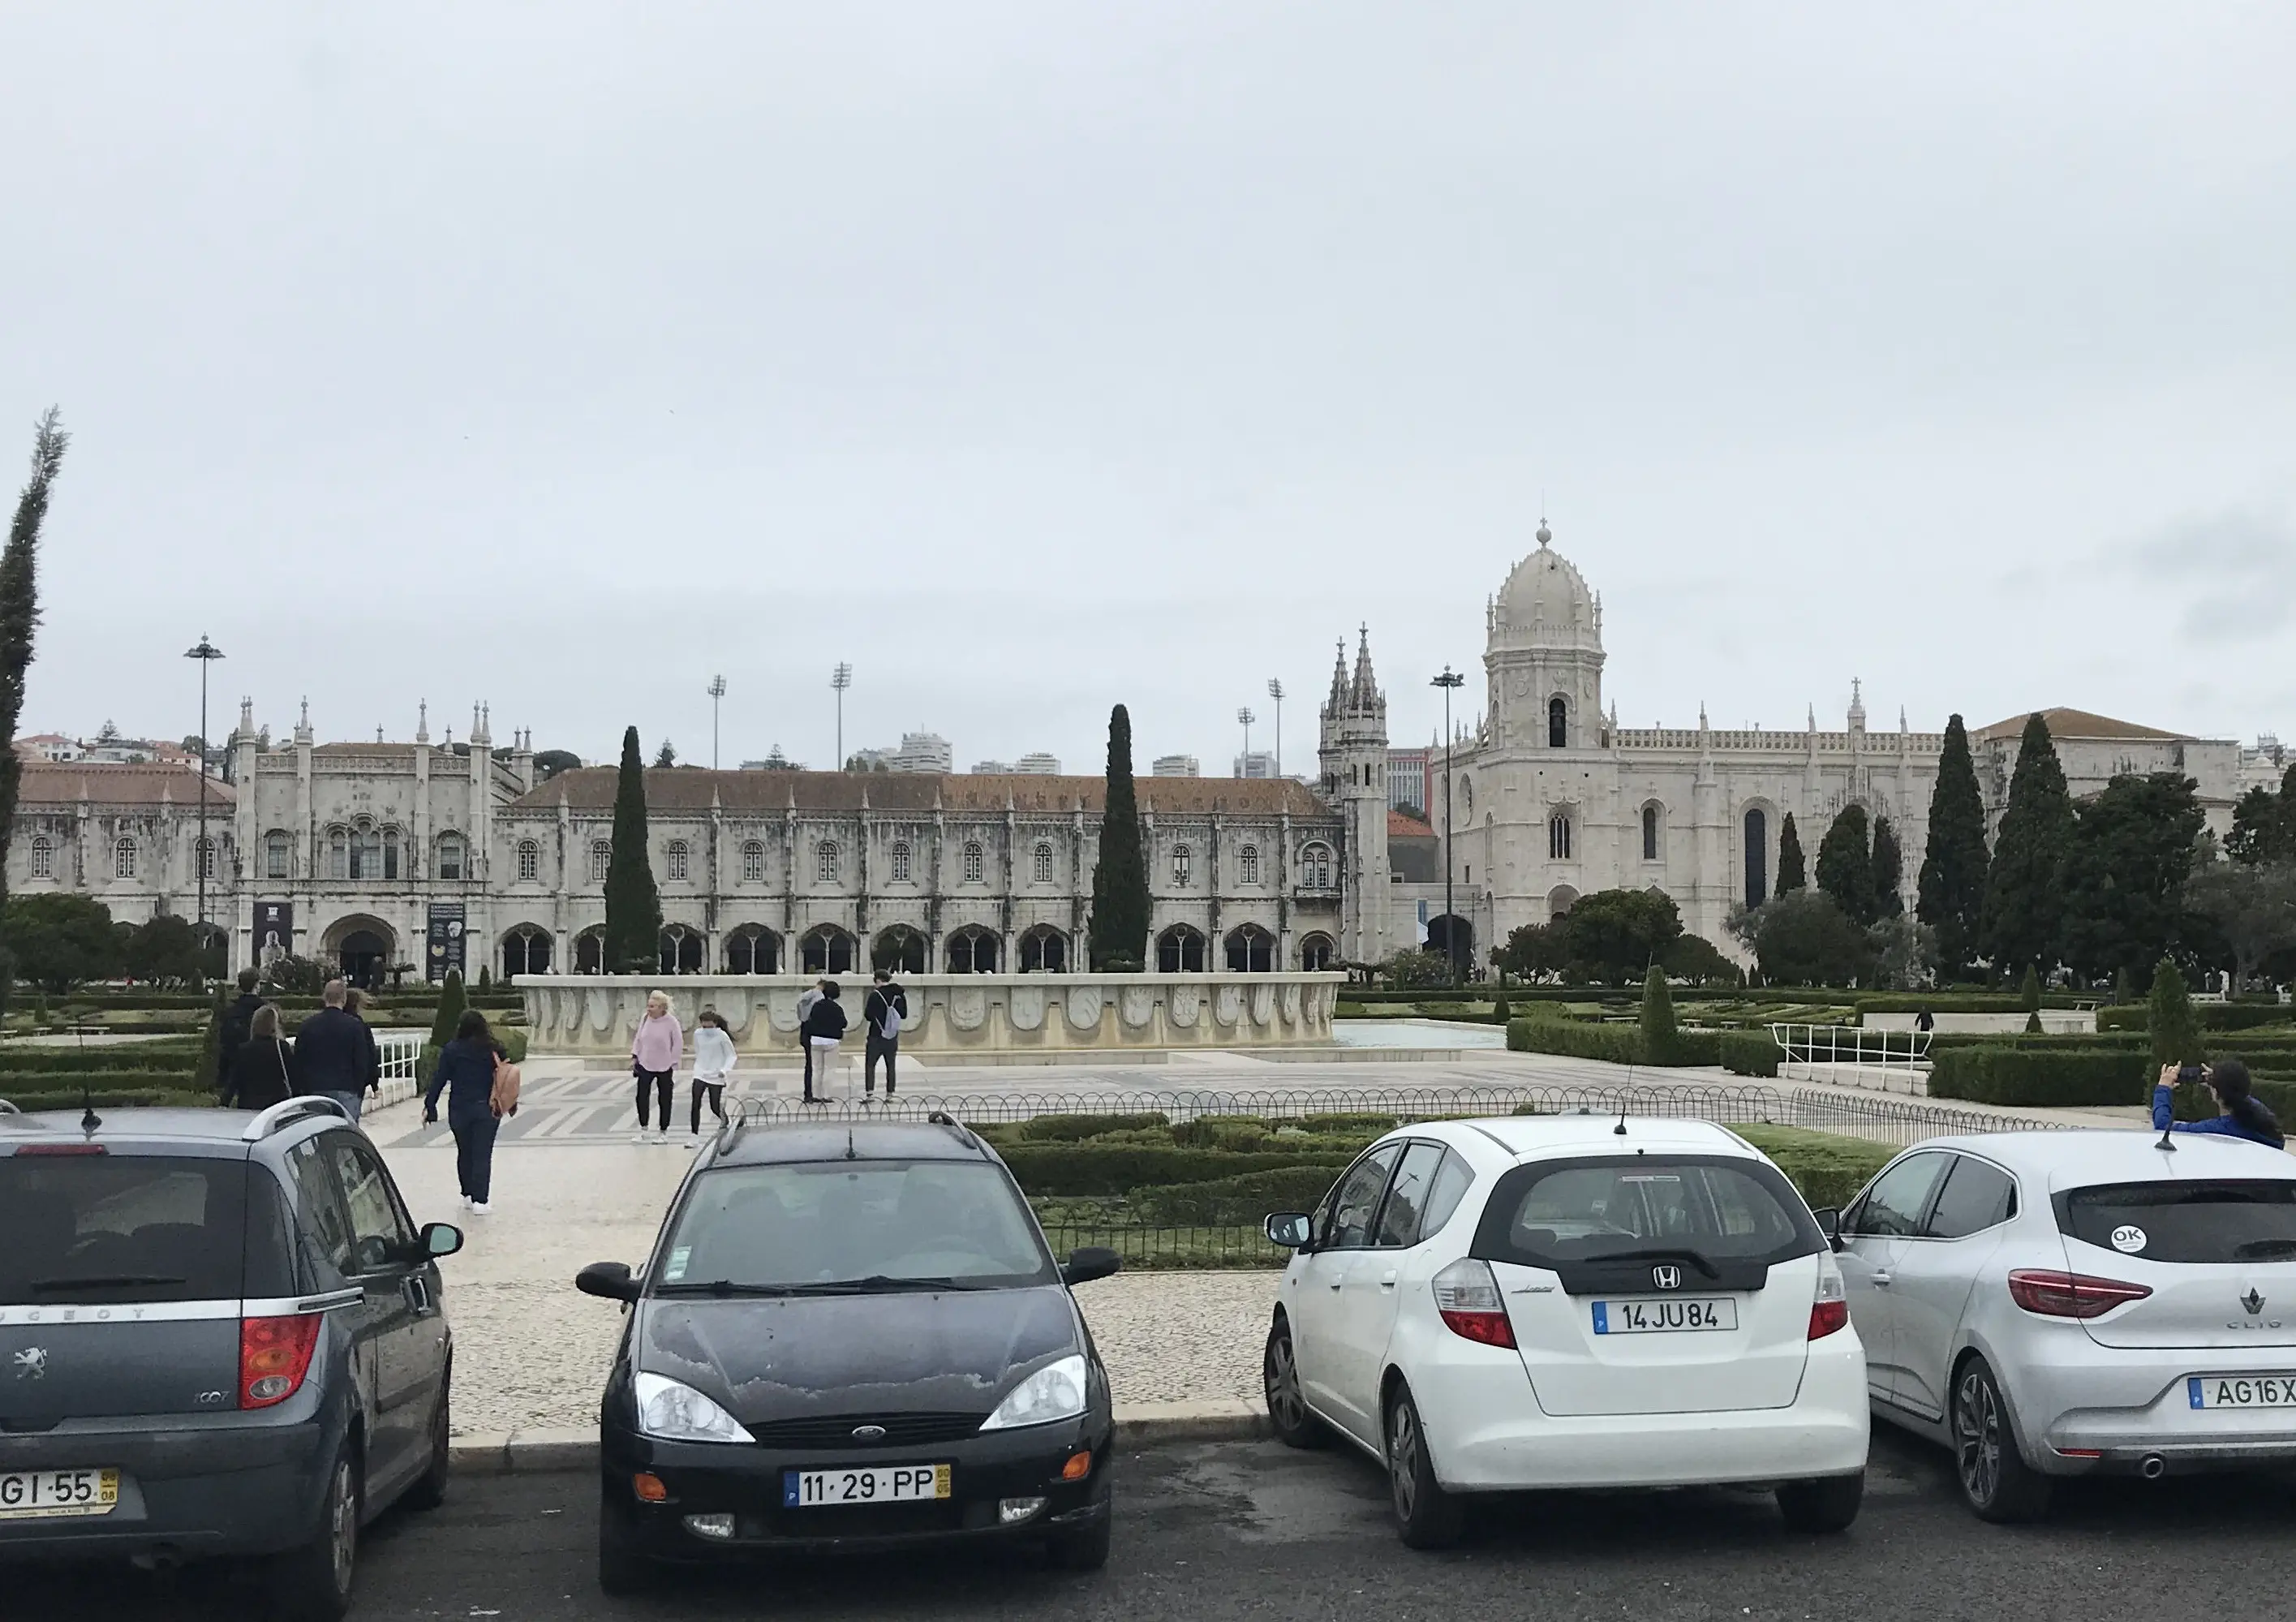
point(887, 1007)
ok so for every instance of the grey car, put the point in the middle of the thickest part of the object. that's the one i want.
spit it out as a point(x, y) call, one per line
point(220, 1335)
point(2054, 1304)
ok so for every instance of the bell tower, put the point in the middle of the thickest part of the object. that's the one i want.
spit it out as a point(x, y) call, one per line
point(1352, 753)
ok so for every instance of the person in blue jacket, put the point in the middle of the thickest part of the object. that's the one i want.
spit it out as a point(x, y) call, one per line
point(466, 1075)
point(2245, 1115)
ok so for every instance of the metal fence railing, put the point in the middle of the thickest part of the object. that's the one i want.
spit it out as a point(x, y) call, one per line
point(1887, 1060)
point(401, 1052)
point(1157, 1246)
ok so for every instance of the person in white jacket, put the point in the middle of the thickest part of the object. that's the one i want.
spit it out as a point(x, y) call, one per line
point(714, 1059)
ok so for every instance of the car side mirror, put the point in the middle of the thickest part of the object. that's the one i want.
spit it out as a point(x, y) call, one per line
point(1829, 1222)
point(1092, 1262)
point(439, 1239)
point(1290, 1229)
point(610, 1280)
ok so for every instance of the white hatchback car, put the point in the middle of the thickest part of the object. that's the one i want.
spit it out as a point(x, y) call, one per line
point(1541, 1302)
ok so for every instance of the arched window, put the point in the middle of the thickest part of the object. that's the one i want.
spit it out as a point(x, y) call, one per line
point(901, 862)
point(1179, 864)
point(1043, 869)
point(1650, 833)
point(44, 858)
point(338, 854)
point(681, 950)
point(679, 855)
point(1316, 954)
point(602, 860)
point(753, 949)
point(753, 863)
point(275, 854)
point(366, 852)
point(123, 859)
point(971, 950)
point(900, 950)
point(450, 857)
point(1558, 723)
point(590, 952)
point(530, 862)
point(826, 949)
point(1180, 950)
point(208, 859)
point(390, 853)
point(1247, 865)
point(1251, 950)
point(1316, 867)
point(526, 950)
point(825, 862)
point(1758, 856)
point(1043, 950)
point(1558, 837)
point(973, 863)
point(1467, 798)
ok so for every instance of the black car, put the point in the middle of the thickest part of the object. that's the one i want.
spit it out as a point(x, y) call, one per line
point(220, 1335)
point(850, 1337)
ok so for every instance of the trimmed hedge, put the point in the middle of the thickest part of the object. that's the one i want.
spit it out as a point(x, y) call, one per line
point(1116, 1169)
point(2042, 1078)
point(41, 1083)
point(1743, 1054)
point(1829, 1169)
point(2212, 1016)
point(171, 1055)
point(1075, 1128)
point(1244, 1198)
point(113, 1097)
point(1612, 1044)
point(1959, 1002)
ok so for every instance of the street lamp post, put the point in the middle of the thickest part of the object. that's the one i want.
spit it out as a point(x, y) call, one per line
point(1247, 717)
point(716, 691)
point(207, 653)
point(1449, 680)
point(840, 679)
point(1275, 691)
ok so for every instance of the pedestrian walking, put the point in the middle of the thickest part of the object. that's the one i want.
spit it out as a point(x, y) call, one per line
point(714, 1059)
point(335, 1054)
point(653, 1060)
point(884, 1012)
point(466, 1073)
point(805, 999)
point(824, 1028)
point(238, 1017)
point(263, 1070)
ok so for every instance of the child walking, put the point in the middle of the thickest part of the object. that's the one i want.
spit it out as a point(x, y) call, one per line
point(714, 1059)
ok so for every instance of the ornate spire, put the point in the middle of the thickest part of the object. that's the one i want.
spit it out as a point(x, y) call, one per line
point(422, 721)
point(1340, 676)
point(303, 725)
point(1545, 533)
point(1367, 690)
point(1857, 705)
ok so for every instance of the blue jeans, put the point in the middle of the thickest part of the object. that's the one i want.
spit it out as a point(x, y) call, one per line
point(350, 1101)
point(474, 1152)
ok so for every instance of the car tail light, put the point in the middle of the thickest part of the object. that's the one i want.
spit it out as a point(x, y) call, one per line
point(2071, 1294)
point(1829, 1309)
point(1468, 1297)
point(274, 1354)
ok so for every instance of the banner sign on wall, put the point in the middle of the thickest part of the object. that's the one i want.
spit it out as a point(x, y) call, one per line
point(275, 930)
point(445, 946)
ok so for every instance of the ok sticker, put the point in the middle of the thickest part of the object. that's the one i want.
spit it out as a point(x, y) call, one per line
point(2129, 1239)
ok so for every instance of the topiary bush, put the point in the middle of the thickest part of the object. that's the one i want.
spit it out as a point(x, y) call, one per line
point(1750, 1053)
point(2176, 1033)
point(1612, 1044)
point(1657, 1017)
point(2040, 1077)
point(1075, 1128)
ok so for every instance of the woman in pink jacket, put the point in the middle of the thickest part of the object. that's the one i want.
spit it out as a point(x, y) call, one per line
point(653, 1060)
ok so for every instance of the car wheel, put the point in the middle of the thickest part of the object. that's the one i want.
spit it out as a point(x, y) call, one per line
point(312, 1584)
point(1825, 1506)
point(1288, 1414)
point(622, 1569)
point(1995, 1481)
point(430, 1488)
point(1428, 1517)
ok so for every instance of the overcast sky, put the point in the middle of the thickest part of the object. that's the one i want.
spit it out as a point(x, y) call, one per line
point(1038, 357)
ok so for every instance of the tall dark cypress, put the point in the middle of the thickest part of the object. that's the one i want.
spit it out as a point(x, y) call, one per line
point(2023, 922)
point(1950, 894)
point(1845, 864)
point(1119, 938)
point(19, 617)
point(1790, 873)
point(1888, 869)
point(633, 942)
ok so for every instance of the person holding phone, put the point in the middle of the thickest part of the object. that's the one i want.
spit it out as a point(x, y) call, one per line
point(2243, 1115)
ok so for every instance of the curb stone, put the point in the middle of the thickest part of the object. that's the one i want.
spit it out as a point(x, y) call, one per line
point(517, 1453)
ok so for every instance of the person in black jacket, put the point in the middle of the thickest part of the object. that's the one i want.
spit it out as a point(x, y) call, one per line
point(263, 1070)
point(884, 1013)
point(466, 1075)
point(335, 1052)
point(824, 1027)
point(238, 1020)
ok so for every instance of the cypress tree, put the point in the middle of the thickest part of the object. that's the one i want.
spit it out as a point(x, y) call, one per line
point(1118, 928)
point(1657, 1017)
point(2023, 919)
point(1951, 889)
point(20, 616)
point(2029, 994)
point(451, 1004)
point(1845, 864)
point(1790, 875)
point(212, 1054)
point(633, 935)
point(2176, 1033)
point(1888, 869)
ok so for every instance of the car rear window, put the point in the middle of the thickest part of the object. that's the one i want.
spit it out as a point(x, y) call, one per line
point(97, 1229)
point(1559, 1214)
point(2221, 1220)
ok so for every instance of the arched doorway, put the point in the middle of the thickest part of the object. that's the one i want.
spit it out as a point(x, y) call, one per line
point(826, 949)
point(753, 949)
point(1560, 900)
point(1316, 952)
point(363, 948)
point(526, 950)
point(1043, 950)
point(900, 950)
point(1453, 937)
point(1758, 856)
point(1251, 950)
point(1180, 950)
point(971, 950)
point(681, 950)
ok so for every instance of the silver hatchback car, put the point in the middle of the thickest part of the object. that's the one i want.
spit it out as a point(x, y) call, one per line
point(2054, 1304)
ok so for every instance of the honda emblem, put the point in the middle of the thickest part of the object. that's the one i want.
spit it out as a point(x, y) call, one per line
point(1667, 1278)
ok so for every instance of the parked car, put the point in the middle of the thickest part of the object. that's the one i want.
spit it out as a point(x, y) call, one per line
point(220, 1335)
point(1490, 1305)
point(2052, 1304)
point(850, 1337)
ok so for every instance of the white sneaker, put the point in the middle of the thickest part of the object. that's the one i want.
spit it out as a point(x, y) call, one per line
point(466, 1201)
point(479, 1209)
point(662, 1137)
point(694, 1144)
point(642, 1136)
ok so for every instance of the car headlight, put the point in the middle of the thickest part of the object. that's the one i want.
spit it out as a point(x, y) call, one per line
point(675, 1412)
point(1053, 1392)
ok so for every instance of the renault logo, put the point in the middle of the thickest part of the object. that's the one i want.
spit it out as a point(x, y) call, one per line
point(32, 1363)
point(2253, 1302)
point(1667, 1278)
point(868, 1433)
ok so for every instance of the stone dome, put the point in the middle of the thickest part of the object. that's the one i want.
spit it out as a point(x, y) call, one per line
point(1546, 601)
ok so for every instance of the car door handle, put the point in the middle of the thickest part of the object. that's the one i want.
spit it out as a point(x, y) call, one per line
point(1880, 1281)
point(1388, 1281)
point(1337, 1283)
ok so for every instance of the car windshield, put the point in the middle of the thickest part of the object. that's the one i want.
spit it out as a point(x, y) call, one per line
point(2216, 1221)
point(842, 1226)
point(1645, 1207)
point(97, 1229)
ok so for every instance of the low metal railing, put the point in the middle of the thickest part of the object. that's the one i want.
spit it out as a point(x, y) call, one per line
point(401, 1052)
point(1887, 1060)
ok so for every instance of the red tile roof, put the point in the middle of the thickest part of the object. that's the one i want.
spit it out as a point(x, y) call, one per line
point(2077, 724)
point(68, 782)
point(1402, 825)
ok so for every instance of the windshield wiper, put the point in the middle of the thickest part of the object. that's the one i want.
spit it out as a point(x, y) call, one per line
point(728, 1287)
point(108, 1280)
point(1692, 1257)
point(876, 1283)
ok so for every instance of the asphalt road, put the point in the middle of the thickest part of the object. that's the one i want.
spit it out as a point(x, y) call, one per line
point(1253, 1530)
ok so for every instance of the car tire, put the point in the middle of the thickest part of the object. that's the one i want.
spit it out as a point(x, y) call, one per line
point(429, 1489)
point(312, 1584)
point(1084, 1549)
point(1427, 1517)
point(1294, 1423)
point(1828, 1504)
point(1996, 1482)
point(622, 1569)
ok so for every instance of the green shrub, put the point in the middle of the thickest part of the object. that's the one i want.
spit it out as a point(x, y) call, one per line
point(1957, 1001)
point(2212, 1016)
point(173, 1054)
point(1500, 1013)
point(1345, 1125)
point(1612, 1044)
point(1749, 1053)
point(1657, 1017)
point(1093, 1169)
point(1222, 1132)
point(2046, 1078)
point(2175, 1034)
point(110, 1095)
point(1074, 1128)
point(451, 1003)
point(1246, 1198)
point(1828, 1168)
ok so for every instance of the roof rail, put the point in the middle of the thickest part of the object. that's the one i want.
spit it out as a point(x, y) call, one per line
point(286, 1112)
point(8, 1108)
point(942, 1117)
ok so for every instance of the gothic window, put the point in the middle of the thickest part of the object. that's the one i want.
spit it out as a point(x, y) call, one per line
point(275, 854)
point(526, 950)
point(825, 862)
point(530, 862)
point(680, 950)
point(679, 855)
point(1179, 864)
point(971, 950)
point(753, 863)
point(390, 853)
point(366, 853)
point(1558, 723)
point(44, 858)
point(973, 863)
point(123, 859)
point(1650, 833)
point(1180, 950)
point(208, 859)
point(1251, 950)
point(602, 860)
point(1247, 865)
point(901, 862)
point(450, 857)
point(1043, 950)
point(752, 949)
point(338, 854)
point(1316, 954)
point(1467, 798)
point(1044, 864)
point(1316, 867)
point(1758, 856)
point(1558, 837)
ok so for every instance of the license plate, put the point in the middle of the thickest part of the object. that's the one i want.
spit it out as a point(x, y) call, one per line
point(1669, 1315)
point(46, 1494)
point(2241, 1390)
point(805, 1489)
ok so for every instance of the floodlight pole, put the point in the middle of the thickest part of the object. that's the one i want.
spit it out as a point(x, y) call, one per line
point(1449, 680)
